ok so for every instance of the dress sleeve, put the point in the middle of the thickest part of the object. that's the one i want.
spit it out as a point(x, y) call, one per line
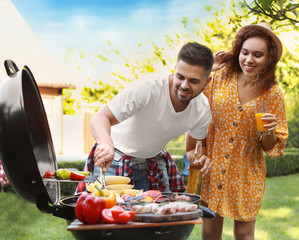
point(277, 107)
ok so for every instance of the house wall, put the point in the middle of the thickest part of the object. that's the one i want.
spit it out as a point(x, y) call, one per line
point(52, 100)
point(71, 134)
point(73, 140)
point(77, 138)
point(54, 114)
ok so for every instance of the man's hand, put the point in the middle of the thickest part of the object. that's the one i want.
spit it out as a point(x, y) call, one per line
point(103, 156)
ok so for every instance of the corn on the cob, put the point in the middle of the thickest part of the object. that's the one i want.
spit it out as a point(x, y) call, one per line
point(133, 192)
point(109, 180)
point(119, 187)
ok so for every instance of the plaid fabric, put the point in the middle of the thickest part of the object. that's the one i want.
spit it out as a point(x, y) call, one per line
point(176, 184)
point(155, 175)
point(124, 168)
point(3, 178)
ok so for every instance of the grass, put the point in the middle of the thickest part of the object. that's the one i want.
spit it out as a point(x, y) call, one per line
point(278, 218)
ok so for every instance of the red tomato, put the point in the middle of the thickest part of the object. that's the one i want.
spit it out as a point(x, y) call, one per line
point(124, 217)
point(79, 206)
point(154, 194)
point(121, 216)
point(107, 216)
point(77, 176)
point(132, 214)
point(116, 210)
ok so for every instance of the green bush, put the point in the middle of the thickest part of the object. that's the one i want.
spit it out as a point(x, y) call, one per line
point(288, 163)
point(176, 151)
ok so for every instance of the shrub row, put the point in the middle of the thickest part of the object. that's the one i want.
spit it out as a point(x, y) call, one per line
point(288, 163)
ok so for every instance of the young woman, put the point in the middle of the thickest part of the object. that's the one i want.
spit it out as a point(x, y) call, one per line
point(236, 184)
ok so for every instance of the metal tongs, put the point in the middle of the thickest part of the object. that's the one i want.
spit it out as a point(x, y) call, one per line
point(101, 176)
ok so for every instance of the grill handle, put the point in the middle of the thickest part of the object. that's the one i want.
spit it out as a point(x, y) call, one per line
point(10, 67)
point(57, 210)
point(207, 213)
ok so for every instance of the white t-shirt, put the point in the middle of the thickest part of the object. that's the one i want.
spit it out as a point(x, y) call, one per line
point(148, 120)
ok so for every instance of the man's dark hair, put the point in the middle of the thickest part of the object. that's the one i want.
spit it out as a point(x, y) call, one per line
point(197, 54)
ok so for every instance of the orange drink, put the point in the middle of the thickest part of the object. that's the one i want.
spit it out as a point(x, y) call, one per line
point(260, 123)
point(194, 178)
point(260, 108)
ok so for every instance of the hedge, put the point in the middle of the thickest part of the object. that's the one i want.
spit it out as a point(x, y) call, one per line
point(284, 165)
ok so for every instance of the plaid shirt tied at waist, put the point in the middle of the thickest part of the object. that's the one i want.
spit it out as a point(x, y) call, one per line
point(155, 175)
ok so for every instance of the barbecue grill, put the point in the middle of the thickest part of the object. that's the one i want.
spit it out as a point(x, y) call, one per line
point(27, 152)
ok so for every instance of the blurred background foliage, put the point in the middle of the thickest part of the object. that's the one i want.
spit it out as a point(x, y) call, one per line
point(151, 58)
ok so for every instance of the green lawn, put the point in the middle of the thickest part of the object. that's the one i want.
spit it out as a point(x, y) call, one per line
point(278, 218)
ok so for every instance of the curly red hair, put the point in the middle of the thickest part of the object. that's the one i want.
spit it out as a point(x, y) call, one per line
point(265, 78)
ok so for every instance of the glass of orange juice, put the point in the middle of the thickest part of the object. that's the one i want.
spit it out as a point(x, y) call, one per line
point(260, 108)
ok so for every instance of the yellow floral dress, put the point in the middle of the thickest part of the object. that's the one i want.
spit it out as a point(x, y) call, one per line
point(236, 184)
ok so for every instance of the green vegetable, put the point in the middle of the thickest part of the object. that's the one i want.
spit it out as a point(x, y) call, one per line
point(62, 174)
point(101, 191)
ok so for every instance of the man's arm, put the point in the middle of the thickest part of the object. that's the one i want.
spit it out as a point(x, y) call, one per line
point(100, 125)
point(204, 160)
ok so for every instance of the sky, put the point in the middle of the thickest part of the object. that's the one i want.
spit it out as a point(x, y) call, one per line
point(61, 24)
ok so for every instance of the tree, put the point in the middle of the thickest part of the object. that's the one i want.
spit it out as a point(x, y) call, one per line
point(152, 56)
point(277, 10)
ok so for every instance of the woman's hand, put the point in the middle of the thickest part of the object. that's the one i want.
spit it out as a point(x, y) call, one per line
point(219, 62)
point(204, 164)
point(269, 139)
point(272, 121)
point(103, 156)
point(207, 165)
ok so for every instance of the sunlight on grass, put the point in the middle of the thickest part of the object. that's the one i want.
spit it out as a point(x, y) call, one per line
point(228, 232)
point(293, 232)
point(261, 235)
point(282, 212)
point(296, 198)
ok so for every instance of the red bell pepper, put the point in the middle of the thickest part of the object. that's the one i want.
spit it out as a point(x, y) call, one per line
point(79, 207)
point(92, 209)
point(49, 174)
point(154, 194)
point(77, 176)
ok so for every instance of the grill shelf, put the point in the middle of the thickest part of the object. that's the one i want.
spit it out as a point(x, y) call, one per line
point(88, 179)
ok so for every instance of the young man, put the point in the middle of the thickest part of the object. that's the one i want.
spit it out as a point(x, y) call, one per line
point(132, 130)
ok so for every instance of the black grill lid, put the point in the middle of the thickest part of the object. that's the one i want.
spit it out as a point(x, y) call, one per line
point(26, 147)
